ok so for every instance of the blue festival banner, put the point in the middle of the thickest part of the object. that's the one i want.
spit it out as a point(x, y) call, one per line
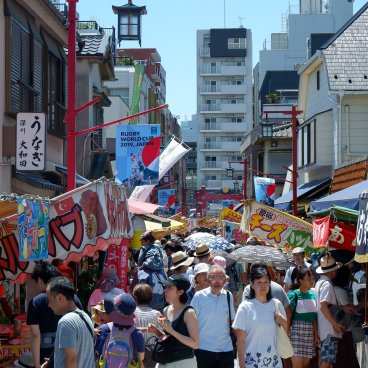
point(264, 189)
point(33, 230)
point(137, 154)
point(165, 197)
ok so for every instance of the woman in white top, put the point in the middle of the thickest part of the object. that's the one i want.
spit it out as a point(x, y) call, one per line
point(255, 323)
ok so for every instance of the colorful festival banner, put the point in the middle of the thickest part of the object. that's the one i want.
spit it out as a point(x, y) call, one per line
point(277, 227)
point(138, 79)
point(81, 222)
point(321, 231)
point(166, 197)
point(168, 158)
point(137, 154)
point(33, 229)
point(265, 190)
point(361, 252)
point(226, 214)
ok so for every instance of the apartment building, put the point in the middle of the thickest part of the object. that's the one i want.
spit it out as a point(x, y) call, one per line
point(224, 104)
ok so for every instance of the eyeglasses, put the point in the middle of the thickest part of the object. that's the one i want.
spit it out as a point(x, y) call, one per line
point(220, 278)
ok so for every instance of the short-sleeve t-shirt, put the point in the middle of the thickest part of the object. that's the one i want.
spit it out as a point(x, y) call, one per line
point(258, 321)
point(39, 313)
point(72, 332)
point(304, 305)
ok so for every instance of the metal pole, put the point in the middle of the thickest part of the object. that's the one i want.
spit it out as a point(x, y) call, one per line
point(71, 114)
point(245, 179)
point(294, 157)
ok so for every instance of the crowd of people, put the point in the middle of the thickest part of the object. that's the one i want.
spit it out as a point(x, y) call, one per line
point(189, 309)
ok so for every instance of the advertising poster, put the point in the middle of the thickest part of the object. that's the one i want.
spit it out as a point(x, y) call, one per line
point(168, 158)
point(265, 190)
point(166, 197)
point(361, 252)
point(81, 223)
point(321, 231)
point(277, 227)
point(137, 154)
point(33, 229)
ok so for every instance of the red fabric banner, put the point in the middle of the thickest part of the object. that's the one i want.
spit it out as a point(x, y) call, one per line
point(342, 236)
point(118, 259)
point(321, 231)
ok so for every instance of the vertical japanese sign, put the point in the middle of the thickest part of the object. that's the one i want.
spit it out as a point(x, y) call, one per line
point(137, 154)
point(31, 137)
point(33, 230)
point(361, 252)
point(265, 190)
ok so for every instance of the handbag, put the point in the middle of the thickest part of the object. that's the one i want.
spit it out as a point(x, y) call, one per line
point(282, 344)
point(161, 352)
point(232, 335)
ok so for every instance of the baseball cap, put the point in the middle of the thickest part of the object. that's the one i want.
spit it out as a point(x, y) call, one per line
point(180, 282)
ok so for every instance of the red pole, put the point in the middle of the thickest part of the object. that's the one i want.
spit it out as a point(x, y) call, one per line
point(72, 19)
point(294, 154)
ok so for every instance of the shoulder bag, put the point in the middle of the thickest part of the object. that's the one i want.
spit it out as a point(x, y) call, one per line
point(162, 353)
point(282, 342)
point(232, 335)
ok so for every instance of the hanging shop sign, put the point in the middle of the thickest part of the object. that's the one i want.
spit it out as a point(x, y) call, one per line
point(31, 141)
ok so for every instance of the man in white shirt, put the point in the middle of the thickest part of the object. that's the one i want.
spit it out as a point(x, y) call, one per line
point(212, 306)
point(330, 331)
point(299, 259)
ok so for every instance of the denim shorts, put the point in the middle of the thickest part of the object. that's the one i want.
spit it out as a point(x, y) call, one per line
point(329, 349)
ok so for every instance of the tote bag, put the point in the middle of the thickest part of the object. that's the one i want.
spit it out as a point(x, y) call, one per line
point(282, 342)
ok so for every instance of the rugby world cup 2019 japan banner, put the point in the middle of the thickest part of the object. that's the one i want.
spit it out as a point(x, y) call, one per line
point(33, 229)
point(168, 158)
point(265, 190)
point(80, 223)
point(137, 154)
point(277, 227)
point(166, 197)
point(361, 251)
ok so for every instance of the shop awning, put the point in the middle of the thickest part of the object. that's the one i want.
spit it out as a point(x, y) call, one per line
point(348, 198)
point(340, 213)
point(80, 180)
point(141, 208)
point(303, 192)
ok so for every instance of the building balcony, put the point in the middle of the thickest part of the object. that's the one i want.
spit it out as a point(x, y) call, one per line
point(204, 52)
point(223, 127)
point(233, 70)
point(224, 89)
point(211, 146)
point(239, 108)
point(210, 108)
point(211, 70)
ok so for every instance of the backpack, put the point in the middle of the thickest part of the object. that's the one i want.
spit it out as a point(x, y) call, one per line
point(118, 349)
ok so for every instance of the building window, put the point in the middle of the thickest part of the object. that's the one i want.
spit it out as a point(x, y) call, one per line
point(236, 43)
point(318, 80)
point(307, 144)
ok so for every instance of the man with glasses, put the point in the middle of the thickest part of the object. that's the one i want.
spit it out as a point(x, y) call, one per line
point(215, 348)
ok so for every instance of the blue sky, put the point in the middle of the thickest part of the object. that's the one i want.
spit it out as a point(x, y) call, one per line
point(170, 27)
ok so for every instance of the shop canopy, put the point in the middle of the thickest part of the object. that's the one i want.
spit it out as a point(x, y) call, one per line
point(81, 222)
point(303, 192)
point(141, 208)
point(340, 213)
point(348, 198)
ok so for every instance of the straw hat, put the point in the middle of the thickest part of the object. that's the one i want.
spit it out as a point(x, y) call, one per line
point(201, 250)
point(328, 264)
point(99, 307)
point(181, 259)
point(298, 250)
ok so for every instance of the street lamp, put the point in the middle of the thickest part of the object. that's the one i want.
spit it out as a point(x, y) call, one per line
point(129, 21)
point(267, 129)
point(230, 172)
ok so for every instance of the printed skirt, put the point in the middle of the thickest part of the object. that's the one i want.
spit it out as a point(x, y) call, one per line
point(302, 339)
